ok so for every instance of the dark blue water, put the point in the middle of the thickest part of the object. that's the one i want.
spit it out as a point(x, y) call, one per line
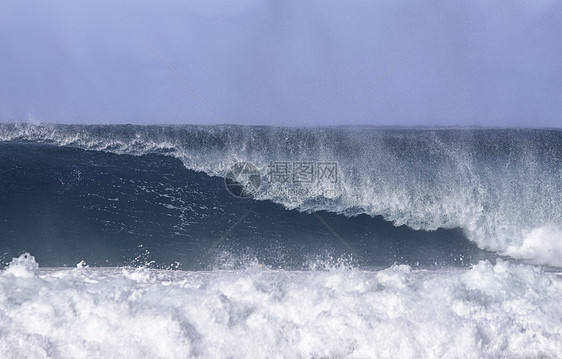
point(66, 205)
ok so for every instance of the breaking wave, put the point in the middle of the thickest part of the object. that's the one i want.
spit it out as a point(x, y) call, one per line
point(503, 188)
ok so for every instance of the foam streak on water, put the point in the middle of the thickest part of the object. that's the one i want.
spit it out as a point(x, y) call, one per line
point(501, 310)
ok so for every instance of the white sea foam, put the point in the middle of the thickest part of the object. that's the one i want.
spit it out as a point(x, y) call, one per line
point(543, 245)
point(24, 266)
point(488, 311)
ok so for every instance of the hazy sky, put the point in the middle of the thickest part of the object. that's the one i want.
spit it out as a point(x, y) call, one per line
point(496, 63)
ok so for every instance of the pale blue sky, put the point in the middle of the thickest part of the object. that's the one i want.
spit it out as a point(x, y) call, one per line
point(491, 63)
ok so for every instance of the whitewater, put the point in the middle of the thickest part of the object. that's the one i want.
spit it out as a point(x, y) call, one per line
point(124, 241)
point(488, 311)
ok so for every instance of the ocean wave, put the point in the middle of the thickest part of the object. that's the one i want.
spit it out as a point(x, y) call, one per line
point(502, 187)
